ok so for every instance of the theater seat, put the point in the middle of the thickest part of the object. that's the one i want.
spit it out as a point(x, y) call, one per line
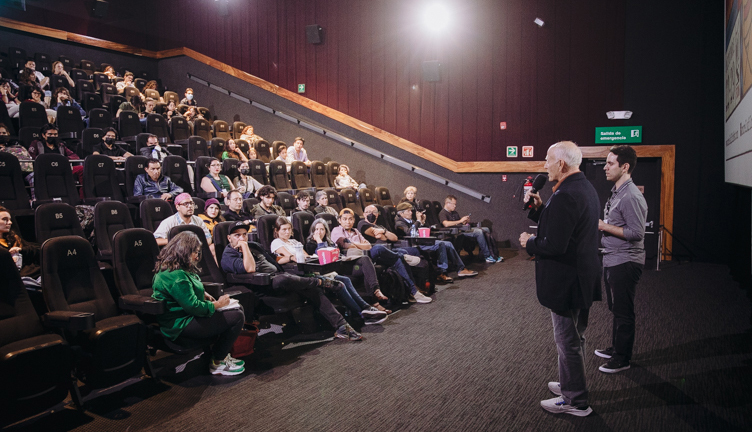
point(35, 366)
point(176, 168)
point(301, 225)
point(153, 211)
point(319, 175)
point(13, 194)
point(100, 180)
point(383, 197)
point(114, 350)
point(110, 217)
point(56, 220)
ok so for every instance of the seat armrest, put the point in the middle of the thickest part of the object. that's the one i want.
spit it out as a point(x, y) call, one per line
point(260, 279)
point(214, 289)
point(69, 320)
point(143, 304)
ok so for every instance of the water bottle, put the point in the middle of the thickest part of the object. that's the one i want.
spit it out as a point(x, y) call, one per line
point(18, 258)
point(299, 256)
point(414, 230)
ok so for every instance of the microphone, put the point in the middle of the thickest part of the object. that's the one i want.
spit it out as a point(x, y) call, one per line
point(538, 183)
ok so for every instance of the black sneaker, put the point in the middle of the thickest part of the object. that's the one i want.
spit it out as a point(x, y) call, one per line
point(614, 365)
point(605, 353)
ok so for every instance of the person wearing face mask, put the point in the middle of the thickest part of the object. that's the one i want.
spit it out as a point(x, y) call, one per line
point(244, 183)
point(15, 148)
point(108, 147)
point(188, 99)
point(154, 150)
point(49, 143)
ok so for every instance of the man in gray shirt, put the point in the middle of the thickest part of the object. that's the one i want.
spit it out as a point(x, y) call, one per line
point(623, 228)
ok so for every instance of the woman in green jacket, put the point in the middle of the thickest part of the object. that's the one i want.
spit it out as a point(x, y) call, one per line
point(191, 312)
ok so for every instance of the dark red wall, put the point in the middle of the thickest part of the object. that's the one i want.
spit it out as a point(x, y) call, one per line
point(548, 84)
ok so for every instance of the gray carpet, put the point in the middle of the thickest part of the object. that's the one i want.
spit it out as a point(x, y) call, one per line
point(478, 359)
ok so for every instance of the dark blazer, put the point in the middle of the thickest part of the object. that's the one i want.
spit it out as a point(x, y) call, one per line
point(567, 266)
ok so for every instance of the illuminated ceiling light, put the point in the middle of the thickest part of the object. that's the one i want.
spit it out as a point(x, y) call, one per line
point(436, 18)
point(539, 22)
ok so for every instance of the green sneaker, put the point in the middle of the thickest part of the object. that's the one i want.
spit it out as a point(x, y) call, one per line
point(228, 366)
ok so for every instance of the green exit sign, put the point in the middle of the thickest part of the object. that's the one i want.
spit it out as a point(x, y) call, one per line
point(301, 88)
point(618, 135)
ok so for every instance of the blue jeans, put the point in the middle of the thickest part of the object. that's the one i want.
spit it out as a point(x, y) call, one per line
point(446, 253)
point(389, 258)
point(349, 296)
point(479, 236)
point(569, 329)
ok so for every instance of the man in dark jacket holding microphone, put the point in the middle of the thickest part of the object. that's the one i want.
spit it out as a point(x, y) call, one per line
point(567, 270)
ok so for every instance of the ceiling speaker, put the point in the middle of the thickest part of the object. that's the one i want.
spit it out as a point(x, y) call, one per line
point(314, 34)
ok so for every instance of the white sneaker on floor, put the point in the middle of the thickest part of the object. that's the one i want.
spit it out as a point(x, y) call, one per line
point(555, 388)
point(557, 405)
point(228, 366)
point(420, 298)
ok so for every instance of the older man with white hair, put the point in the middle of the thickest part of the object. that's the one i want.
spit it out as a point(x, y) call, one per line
point(567, 269)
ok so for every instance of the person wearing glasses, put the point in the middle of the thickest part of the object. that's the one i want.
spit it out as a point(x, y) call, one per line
point(185, 206)
point(214, 182)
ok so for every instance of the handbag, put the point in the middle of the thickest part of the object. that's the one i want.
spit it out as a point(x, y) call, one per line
point(243, 346)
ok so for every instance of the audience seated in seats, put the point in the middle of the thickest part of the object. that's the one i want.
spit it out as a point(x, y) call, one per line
point(191, 312)
point(188, 99)
point(235, 210)
point(149, 105)
point(266, 195)
point(214, 182)
point(343, 180)
point(244, 183)
point(62, 97)
point(352, 243)
point(36, 96)
point(449, 217)
point(249, 136)
point(322, 199)
point(108, 147)
point(375, 233)
point(126, 82)
point(319, 237)
point(185, 207)
point(232, 151)
point(110, 72)
point(10, 98)
point(410, 196)
point(59, 69)
point(152, 85)
point(446, 254)
point(153, 184)
point(285, 246)
point(154, 149)
point(242, 257)
point(252, 154)
point(15, 148)
point(212, 214)
point(28, 253)
point(50, 144)
point(282, 153)
point(32, 77)
point(170, 111)
point(303, 199)
point(297, 152)
point(125, 106)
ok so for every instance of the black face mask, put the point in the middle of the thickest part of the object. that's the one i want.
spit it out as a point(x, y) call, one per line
point(245, 171)
point(109, 141)
point(52, 140)
point(371, 218)
point(4, 139)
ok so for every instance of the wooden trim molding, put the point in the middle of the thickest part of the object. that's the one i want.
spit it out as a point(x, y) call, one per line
point(667, 153)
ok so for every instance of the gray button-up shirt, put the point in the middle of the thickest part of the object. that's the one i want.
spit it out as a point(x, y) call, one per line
point(625, 208)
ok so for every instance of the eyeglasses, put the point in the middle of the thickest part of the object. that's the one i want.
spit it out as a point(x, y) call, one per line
point(186, 203)
point(215, 165)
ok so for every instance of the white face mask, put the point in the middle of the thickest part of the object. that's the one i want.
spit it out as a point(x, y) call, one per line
point(189, 97)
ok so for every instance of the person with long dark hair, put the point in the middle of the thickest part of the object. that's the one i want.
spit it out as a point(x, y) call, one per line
point(13, 243)
point(192, 313)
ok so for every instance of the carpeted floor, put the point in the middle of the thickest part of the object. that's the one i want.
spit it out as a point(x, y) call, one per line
point(476, 359)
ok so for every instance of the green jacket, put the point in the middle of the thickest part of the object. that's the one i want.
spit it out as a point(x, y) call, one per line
point(184, 294)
